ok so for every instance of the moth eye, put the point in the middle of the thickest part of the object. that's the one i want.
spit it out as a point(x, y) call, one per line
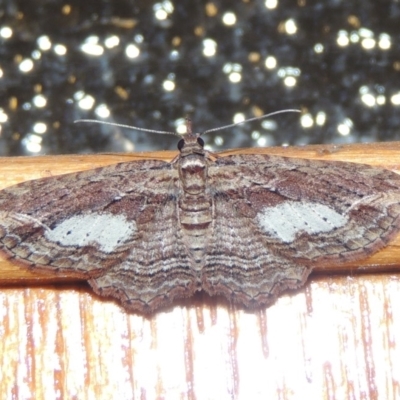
point(200, 141)
point(180, 144)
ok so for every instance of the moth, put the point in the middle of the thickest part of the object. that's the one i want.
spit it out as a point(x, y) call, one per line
point(247, 227)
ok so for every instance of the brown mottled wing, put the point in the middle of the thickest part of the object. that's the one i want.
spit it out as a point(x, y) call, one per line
point(275, 218)
point(142, 271)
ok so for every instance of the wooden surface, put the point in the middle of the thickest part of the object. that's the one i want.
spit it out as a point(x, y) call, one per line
point(336, 338)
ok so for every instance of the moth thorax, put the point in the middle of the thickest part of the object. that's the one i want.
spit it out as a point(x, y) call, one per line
point(193, 174)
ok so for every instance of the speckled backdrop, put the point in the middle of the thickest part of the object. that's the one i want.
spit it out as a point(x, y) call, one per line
point(149, 63)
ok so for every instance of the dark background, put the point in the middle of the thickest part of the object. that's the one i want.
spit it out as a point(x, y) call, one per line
point(350, 92)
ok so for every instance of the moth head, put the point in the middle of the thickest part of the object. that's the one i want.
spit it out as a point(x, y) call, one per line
point(198, 140)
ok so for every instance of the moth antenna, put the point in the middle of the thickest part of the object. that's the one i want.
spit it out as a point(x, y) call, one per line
point(249, 120)
point(126, 126)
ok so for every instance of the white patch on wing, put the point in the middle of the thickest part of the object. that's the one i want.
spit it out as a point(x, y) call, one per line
point(107, 230)
point(291, 217)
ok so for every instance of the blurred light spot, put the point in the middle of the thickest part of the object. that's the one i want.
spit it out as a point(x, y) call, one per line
point(257, 111)
point(66, 9)
point(254, 56)
point(342, 39)
point(39, 101)
point(380, 100)
point(102, 111)
point(344, 128)
point(385, 41)
point(156, 114)
point(353, 21)
point(169, 85)
point(138, 38)
point(290, 26)
point(373, 97)
point(128, 146)
point(199, 31)
point(227, 68)
point(318, 48)
point(233, 70)
point(395, 99)
point(124, 23)
point(262, 141)
point(85, 101)
point(44, 43)
point(354, 37)
point(211, 9)
point(270, 62)
point(149, 79)
point(6, 32)
point(32, 143)
point(229, 18)
point(269, 125)
point(176, 41)
point(36, 55)
point(271, 4)
point(368, 99)
point(121, 92)
point(180, 126)
point(161, 14)
point(111, 42)
point(26, 65)
point(12, 103)
point(255, 135)
point(209, 47)
point(368, 43)
point(174, 55)
point(163, 10)
point(60, 49)
point(92, 47)
point(320, 119)
point(238, 117)
point(3, 116)
point(307, 120)
point(290, 81)
point(219, 140)
point(1, 73)
point(235, 77)
point(40, 127)
point(365, 33)
point(288, 71)
point(132, 51)
point(27, 106)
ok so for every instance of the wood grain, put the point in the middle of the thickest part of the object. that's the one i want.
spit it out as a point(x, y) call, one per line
point(18, 169)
